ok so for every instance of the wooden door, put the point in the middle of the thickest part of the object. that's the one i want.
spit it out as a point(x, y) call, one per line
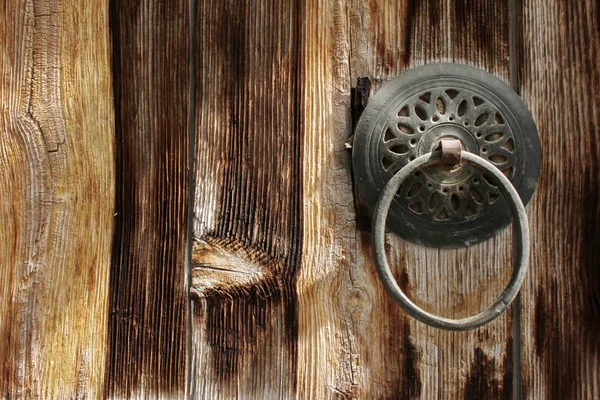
point(178, 215)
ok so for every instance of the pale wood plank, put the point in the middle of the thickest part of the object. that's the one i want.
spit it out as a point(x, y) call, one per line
point(57, 189)
point(331, 290)
point(560, 76)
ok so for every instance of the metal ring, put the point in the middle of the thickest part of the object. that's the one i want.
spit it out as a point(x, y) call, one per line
point(520, 242)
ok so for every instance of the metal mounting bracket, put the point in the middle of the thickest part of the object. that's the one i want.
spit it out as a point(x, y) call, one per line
point(446, 205)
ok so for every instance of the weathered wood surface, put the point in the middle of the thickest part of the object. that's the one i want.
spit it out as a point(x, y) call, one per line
point(285, 301)
point(327, 352)
point(417, 361)
point(334, 333)
point(57, 191)
point(247, 223)
point(147, 324)
point(560, 76)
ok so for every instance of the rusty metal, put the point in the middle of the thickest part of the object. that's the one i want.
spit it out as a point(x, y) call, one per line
point(451, 151)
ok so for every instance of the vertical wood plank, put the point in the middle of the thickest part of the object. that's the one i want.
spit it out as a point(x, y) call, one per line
point(330, 288)
point(560, 80)
point(386, 39)
point(247, 215)
point(347, 345)
point(56, 177)
point(148, 304)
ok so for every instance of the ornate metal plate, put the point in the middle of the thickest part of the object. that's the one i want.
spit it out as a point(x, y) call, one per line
point(444, 206)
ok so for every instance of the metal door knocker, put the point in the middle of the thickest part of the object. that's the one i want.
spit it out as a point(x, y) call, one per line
point(448, 155)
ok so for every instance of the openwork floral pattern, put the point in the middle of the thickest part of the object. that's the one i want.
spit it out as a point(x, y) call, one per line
point(450, 195)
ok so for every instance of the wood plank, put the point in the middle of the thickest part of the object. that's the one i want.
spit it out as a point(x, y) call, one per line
point(56, 176)
point(560, 76)
point(421, 362)
point(247, 213)
point(148, 304)
point(347, 345)
point(330, 289)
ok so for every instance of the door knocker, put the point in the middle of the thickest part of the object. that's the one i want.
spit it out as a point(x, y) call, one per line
point(447, 155)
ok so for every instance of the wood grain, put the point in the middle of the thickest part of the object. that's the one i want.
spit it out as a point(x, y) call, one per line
point(56, 177)
point(420, 362)
point(147, 328)
point(330, 290)
point(350, 339)
point(247, 212)
point(560, 75)
point(285, 299)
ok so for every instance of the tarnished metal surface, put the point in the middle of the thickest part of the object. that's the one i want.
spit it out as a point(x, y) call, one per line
point(520, 235)
point(444, 205)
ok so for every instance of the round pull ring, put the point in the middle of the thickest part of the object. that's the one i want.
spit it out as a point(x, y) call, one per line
point(520, 241)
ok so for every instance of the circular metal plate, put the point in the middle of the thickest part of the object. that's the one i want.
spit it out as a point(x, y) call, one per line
point(446, 206)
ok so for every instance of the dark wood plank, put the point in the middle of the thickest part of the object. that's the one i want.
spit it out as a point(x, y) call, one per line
point(560, 75)
point(386, 39)
point(148, 303)
point(57, 197)
point(247, 216)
